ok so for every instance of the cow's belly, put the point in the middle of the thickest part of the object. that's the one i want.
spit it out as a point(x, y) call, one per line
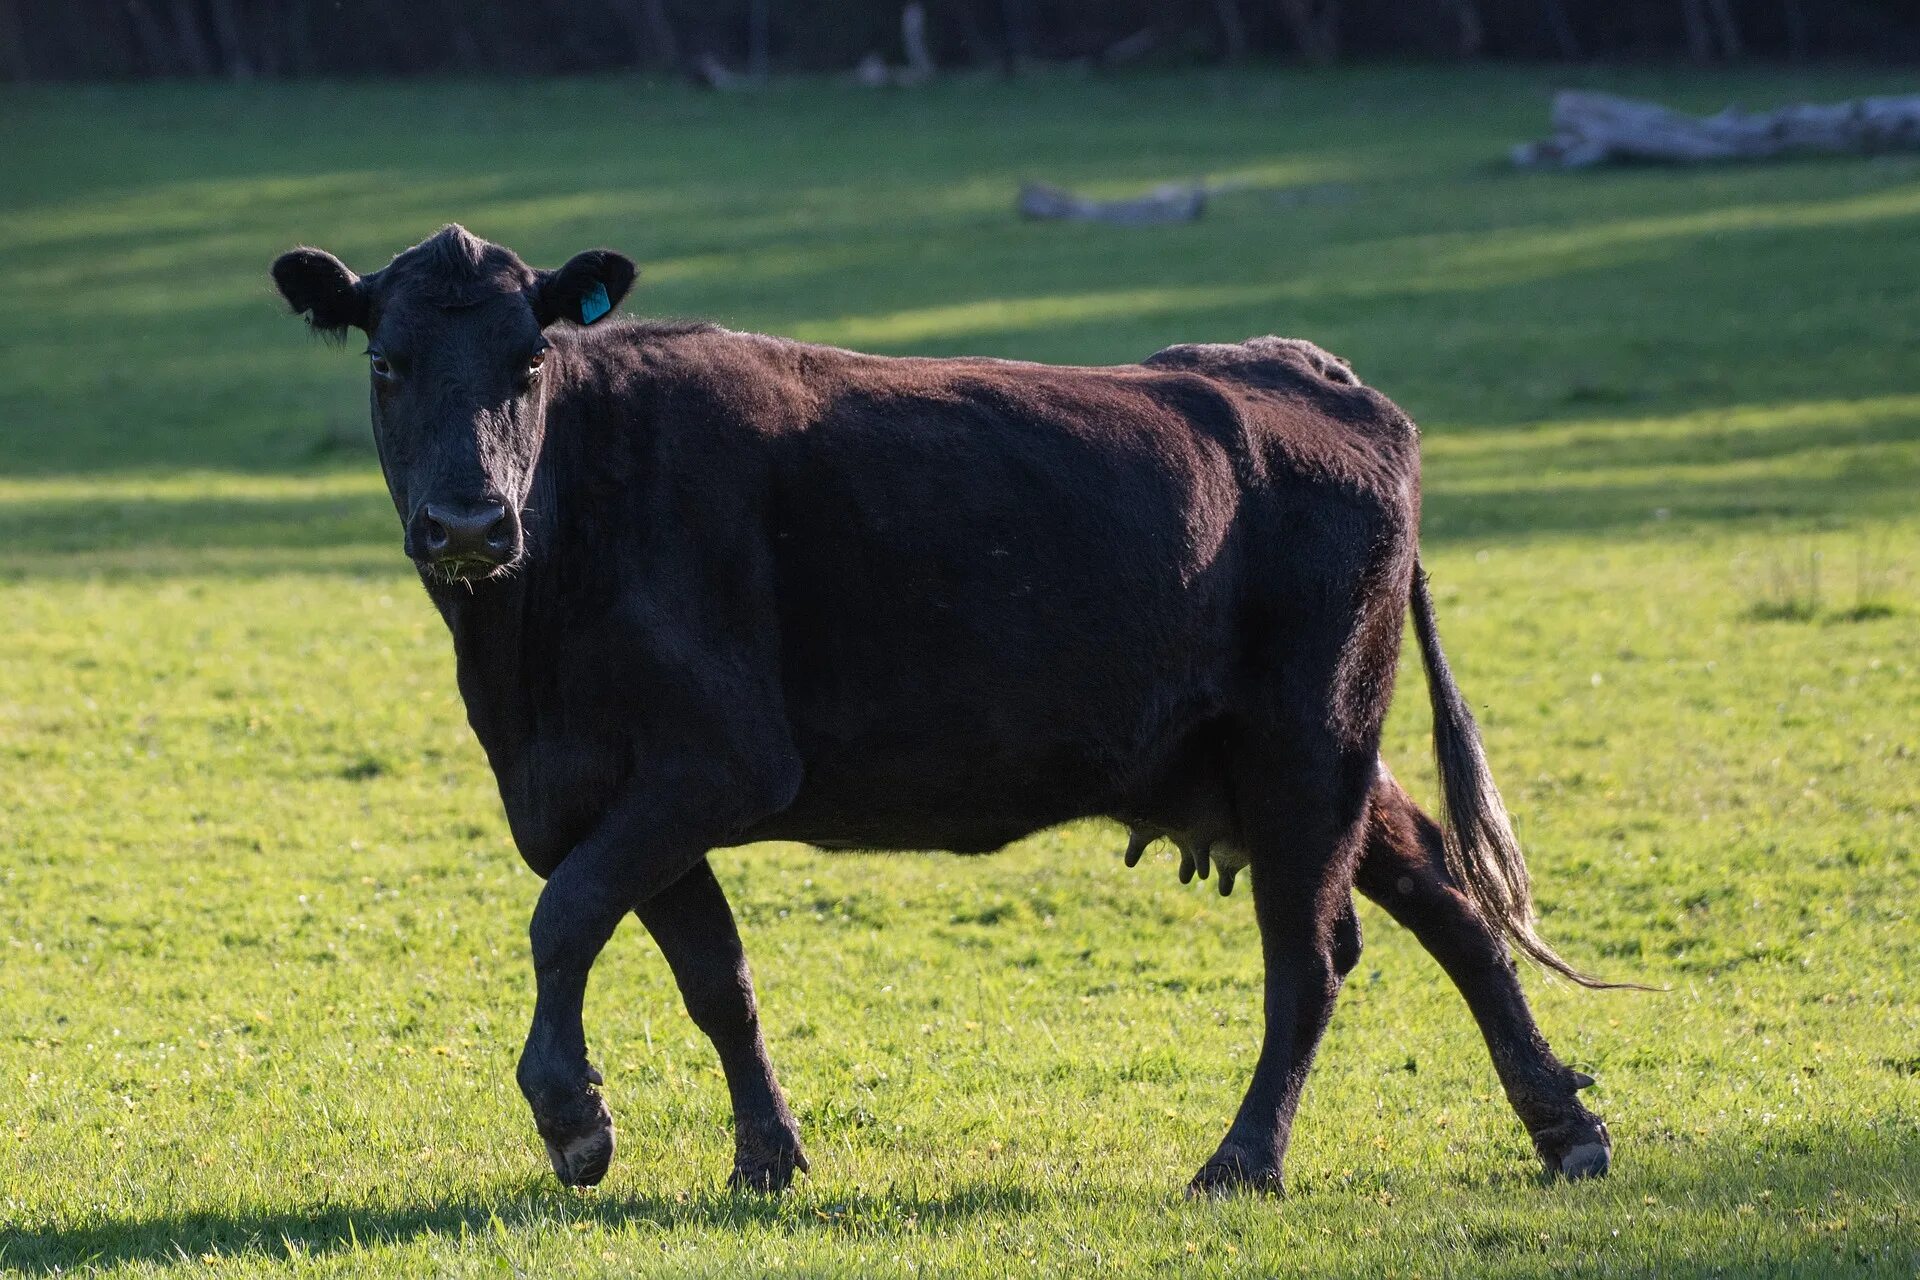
point(965, 715)
point(972, 764)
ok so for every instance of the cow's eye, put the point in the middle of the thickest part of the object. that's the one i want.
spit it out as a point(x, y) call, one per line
point(379, 364)
point(534, 362)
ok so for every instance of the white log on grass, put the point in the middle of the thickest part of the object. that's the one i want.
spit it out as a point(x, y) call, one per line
point(1599, 128)
point(1175, 202)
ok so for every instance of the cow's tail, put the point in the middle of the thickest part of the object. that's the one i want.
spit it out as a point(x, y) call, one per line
point(1482, 854)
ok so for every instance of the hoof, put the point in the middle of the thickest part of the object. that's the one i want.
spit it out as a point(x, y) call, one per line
point(1588, 1160)
point(1232, 1173)
point(583, 1161)
point(773, 1175)
point(1580, 1150)
point(580, 1143)
point(766, 1162)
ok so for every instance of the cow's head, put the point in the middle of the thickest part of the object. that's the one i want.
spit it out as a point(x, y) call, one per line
point(455, 351)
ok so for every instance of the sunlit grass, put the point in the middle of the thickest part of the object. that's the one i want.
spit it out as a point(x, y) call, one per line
point(969, 320)
point(262, 957)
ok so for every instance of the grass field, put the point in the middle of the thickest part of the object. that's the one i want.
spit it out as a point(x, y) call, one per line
point(262, 950)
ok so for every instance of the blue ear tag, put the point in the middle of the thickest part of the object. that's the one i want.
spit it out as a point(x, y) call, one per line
point(594, 303)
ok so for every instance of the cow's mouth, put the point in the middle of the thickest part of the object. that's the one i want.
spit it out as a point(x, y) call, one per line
point(459, 540)
point(468, 569)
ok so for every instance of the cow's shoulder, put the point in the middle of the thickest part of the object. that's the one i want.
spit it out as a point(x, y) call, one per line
point(720, 383)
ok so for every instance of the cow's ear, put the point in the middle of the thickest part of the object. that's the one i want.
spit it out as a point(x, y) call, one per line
point(319, 286)
point(588, 287)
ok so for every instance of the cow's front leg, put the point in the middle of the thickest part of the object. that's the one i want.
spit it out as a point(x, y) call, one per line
point(607, 875)
point(576, 915)
point(694, 928)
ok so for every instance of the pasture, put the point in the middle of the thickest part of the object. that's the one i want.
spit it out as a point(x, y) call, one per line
point(263, 970)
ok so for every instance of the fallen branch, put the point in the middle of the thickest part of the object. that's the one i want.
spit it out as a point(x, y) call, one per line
point(1174, 202)
point(1598, 128)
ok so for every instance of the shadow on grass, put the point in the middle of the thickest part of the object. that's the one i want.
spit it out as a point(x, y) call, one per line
point(1792, 1203)
point(132, 536)
point(1547, 315)
point(270, 523)
point(1673, 507)
point(335, 1228)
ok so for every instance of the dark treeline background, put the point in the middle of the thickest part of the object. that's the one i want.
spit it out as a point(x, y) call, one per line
point(718, 39)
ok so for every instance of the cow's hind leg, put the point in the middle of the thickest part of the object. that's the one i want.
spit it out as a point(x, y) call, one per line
point(1301, 812)
point(693, 926)
point(1403, 870)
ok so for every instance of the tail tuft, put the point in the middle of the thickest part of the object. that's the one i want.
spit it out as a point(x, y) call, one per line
point(1482, 854)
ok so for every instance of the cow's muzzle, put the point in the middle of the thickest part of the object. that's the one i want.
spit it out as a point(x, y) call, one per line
point(464, 539)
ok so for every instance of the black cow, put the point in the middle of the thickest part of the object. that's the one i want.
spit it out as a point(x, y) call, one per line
point(708, 588)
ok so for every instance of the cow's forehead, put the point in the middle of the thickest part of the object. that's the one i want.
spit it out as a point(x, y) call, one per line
point(428, 318)
point(452, 269)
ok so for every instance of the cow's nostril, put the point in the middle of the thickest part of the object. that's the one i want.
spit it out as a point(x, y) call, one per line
point(434, 532)
point(500, 532)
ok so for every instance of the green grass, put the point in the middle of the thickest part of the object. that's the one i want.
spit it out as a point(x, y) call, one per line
point(262, 971)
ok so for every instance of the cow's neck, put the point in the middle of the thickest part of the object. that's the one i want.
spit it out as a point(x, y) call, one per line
point(506, 631)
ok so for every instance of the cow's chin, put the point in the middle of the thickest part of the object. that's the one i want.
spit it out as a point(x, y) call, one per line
point(467, 571)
